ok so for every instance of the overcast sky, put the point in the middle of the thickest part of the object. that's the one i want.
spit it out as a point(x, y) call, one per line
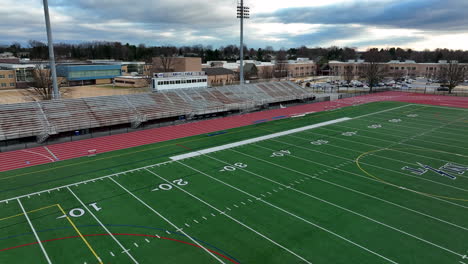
point(416, 24)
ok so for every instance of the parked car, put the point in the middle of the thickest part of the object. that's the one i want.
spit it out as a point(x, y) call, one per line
point(443, 89)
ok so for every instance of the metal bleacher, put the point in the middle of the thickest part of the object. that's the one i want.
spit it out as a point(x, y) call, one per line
point(56, 116)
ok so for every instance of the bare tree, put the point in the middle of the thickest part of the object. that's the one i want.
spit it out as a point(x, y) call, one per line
point(452, 74)
point(373, 71)
point(267, 72)
point(148, 74)
point(348, 74)
point(397, 75)
point(43, 89)
point(280, 70)
point(167, 62)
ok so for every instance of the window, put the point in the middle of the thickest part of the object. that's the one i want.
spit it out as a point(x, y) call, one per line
point(414, 68)
point(177, 82)
point(2, 76)
point(12, 84)
point(10, 76)
point(3, 84)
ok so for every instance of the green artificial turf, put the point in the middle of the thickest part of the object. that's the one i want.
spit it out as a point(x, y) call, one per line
point(332, 194)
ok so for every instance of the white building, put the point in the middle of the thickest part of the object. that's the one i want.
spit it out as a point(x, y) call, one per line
point(179, 80)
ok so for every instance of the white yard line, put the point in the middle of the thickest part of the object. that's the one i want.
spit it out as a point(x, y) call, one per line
point(103, 226)
point(380, 138)
point(289, 213)
point(257, 139)
point(351, 189)
point(165, 219)
point(450, 108)
point(340, 207)
point(372, 145)
point(228, 216)
point(34, 231)
point(393, 125)
point(383, 111)
point(372, 165)
point(423, 120)
point(375, 153)
point(372, 179)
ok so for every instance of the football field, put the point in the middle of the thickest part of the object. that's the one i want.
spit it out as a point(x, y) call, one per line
point(383, 182)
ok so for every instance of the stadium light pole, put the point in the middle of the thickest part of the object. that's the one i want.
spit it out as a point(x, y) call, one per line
point(243, 12)
point(55, 93)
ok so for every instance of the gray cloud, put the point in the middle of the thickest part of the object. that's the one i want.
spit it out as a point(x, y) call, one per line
point(208, 22)
point(448, 15)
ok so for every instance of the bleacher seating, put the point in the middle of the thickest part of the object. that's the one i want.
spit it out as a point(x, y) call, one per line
point(51, 117)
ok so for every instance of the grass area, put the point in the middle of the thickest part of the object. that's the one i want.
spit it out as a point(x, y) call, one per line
point(378, 188)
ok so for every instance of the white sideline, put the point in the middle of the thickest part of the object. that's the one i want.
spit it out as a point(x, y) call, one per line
point(257, 139)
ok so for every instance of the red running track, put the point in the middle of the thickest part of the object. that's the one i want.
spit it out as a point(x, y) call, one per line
point(63, 151)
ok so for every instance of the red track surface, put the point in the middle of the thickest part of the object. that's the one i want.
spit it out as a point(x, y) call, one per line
point(118, 234)
point(35, 156)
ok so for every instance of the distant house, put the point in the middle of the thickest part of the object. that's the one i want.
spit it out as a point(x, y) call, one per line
point(219, 76)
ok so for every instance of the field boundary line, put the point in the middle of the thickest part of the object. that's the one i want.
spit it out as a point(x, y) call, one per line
point(104, 227)
point(85, 181)
point(353, 190)
point(79, 233)
point(228, 216)
point(165, 219)
point(289, 213)
point(274, 135)
point(338, 206)
point(35, 233)
point(256, 139)
point(386, 110)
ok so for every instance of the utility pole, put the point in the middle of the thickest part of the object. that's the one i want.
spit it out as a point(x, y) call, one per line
point(55, 93)
point(243, 12)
